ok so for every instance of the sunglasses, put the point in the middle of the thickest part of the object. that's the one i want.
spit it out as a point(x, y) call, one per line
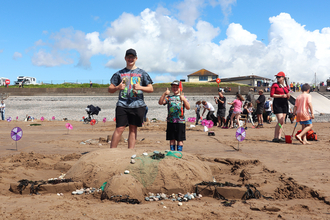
point(277, 77)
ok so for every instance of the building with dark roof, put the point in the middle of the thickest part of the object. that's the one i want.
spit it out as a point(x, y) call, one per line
point(202, 75)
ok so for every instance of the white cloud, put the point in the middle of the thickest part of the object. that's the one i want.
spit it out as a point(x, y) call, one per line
point(1, 50)
point(42, 58)
point(225, 7)
point(166, 45)
point(189, 10)
point(95, 18)
point(164, 78)
point(17, 55)
point(45, 32)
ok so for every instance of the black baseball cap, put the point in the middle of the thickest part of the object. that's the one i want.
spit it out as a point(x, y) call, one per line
point(130, 51)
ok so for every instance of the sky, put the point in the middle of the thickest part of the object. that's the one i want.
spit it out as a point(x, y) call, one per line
point(78, 41)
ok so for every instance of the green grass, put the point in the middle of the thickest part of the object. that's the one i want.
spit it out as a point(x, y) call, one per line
point(156, 85)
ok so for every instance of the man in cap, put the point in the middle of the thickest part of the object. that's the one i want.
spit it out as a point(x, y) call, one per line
point(131, 82)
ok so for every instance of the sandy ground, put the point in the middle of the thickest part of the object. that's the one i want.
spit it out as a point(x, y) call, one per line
point(296, 176)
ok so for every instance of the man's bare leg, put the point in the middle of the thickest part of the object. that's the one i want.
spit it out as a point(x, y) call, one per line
point(132, 136)
point(116, 136)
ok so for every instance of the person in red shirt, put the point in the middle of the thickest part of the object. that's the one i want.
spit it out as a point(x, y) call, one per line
point(280, 93)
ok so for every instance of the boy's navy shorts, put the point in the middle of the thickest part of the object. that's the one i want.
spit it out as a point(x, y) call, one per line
point(176, 131)
point(129, 116)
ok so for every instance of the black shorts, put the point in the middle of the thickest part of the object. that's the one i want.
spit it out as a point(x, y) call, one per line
point(269, 113)
point(129, 116)
point(260, 110)
point(221, 112)
point(280, 105)
point(176, 131)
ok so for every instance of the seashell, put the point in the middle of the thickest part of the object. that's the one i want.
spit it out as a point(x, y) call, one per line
point(156, 199)
point(145, 154)
point(126, 172)
point(132, 161)
point(192, 197)
point(147, 198)
point(133, 157)
point(74, 193)
point(151, 200)
point(164, 207)
point(180, 203)
point(156, 152)
point(185, 199)
point(162, 203)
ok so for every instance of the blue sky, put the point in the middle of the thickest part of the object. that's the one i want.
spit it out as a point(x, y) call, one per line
point(81, 40)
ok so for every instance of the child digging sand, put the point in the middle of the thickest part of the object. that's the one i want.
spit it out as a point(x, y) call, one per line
point(302, 105)
point(176, 123)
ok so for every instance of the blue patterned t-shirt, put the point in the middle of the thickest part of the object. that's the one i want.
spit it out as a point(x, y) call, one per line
point(174, 110)
point(130, 98)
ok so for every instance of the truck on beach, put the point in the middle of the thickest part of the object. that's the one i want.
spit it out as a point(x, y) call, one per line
point(26, 80)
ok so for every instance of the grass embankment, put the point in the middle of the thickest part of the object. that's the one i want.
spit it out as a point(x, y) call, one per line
point(156, 85)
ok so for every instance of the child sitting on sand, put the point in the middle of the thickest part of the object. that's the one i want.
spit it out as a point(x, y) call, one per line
point(303, 110)
point(176, 122)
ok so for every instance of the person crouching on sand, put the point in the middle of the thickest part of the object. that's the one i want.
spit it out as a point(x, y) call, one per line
point(176, 122)
point(301, 109)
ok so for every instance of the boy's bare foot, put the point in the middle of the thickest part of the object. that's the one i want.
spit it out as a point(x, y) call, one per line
point(299, 139)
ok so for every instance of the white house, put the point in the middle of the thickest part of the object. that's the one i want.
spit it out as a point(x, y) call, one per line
point(202, 75)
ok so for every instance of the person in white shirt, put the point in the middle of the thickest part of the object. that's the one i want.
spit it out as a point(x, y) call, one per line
point(210, 115)
point(2, 110)
point(269, 109)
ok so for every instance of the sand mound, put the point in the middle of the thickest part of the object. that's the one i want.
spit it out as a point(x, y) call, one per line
point(124, 185)
point(167, 175)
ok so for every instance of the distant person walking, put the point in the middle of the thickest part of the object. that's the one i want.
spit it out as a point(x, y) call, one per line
point(90, 84)
point(280, 93)
point(2, 109)
point(303, 110)
point(131, 82)
point(260, 108)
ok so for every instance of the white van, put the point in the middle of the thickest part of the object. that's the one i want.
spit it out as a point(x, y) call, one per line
point(3, 81)
point(26, 80)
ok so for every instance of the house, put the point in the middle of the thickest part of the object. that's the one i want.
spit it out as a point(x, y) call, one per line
point(202, 75)
point(251, 80)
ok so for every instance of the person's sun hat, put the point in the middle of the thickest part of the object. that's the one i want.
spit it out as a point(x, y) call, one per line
point(282, 74)
point(175, 82)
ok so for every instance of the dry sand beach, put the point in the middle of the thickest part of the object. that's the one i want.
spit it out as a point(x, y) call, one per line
point(296, 176)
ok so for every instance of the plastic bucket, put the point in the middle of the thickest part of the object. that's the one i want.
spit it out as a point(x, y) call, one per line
point(288, 139)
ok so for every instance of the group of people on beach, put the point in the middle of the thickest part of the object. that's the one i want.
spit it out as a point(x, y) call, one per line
point(132, 82)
